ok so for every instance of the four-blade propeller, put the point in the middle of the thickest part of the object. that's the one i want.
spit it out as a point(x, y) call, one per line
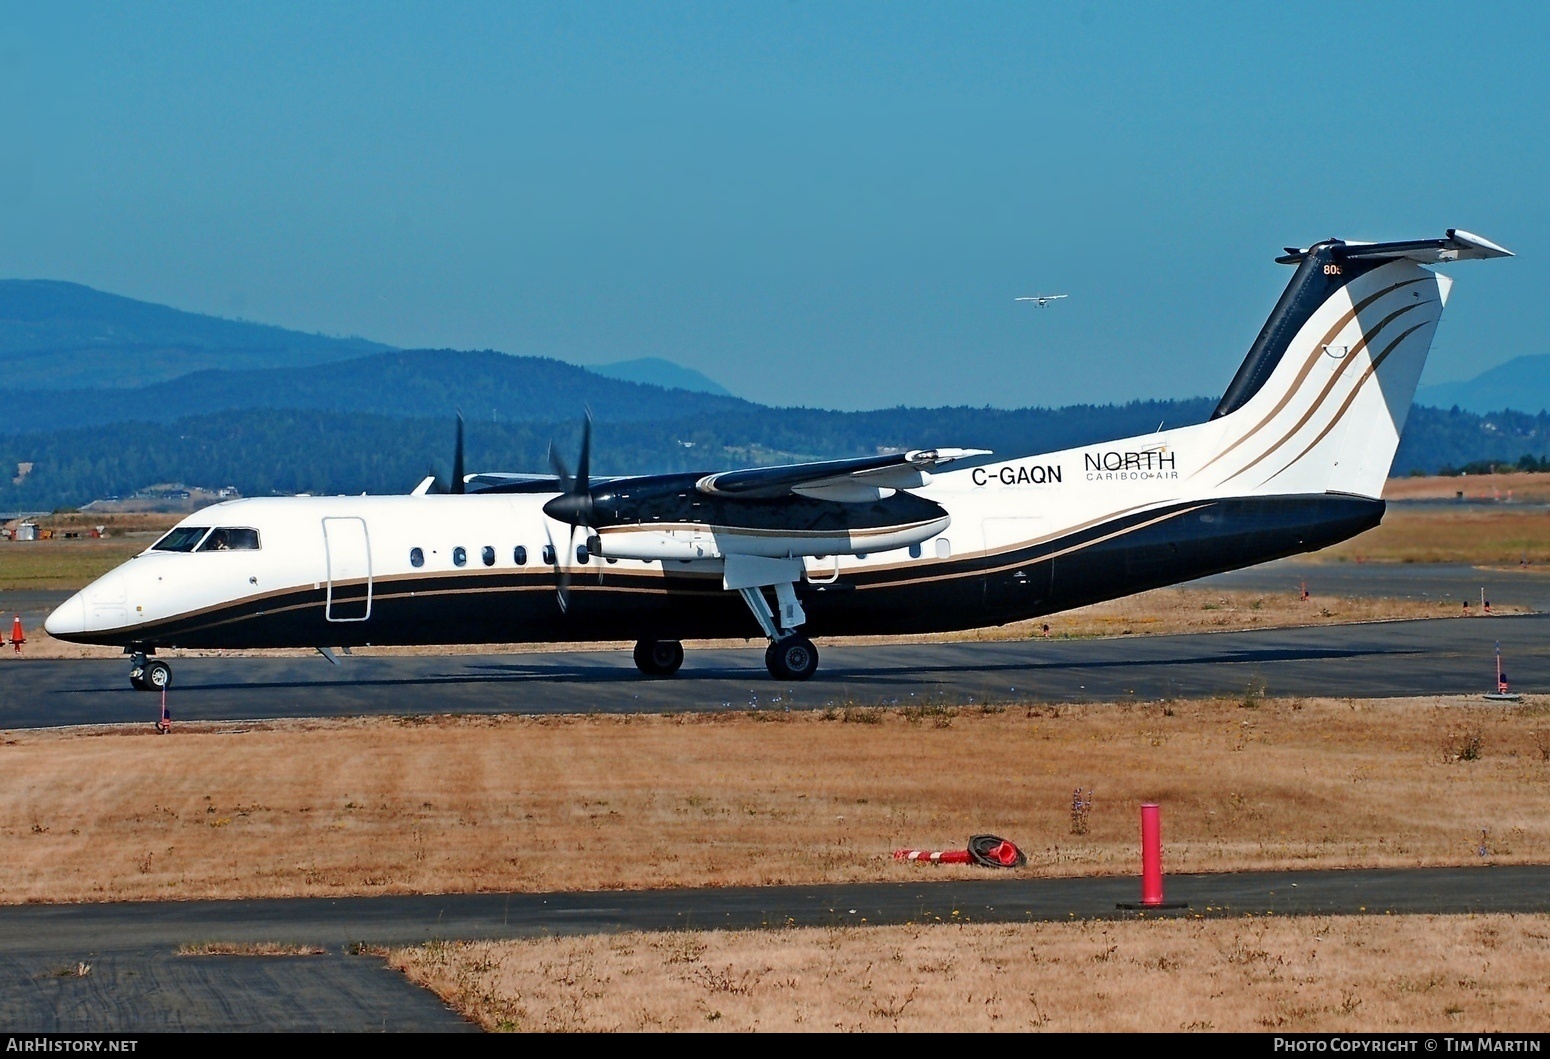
point(573, 506)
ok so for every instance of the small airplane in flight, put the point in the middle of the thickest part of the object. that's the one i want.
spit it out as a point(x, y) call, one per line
point(1293, 459)
point(1041, 300)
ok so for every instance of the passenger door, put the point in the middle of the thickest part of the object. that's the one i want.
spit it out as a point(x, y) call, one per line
point(348, 551)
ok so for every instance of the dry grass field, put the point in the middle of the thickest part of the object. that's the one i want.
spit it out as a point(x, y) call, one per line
point(1460, 974)
point(1479, 536)
point(1508, 487)
point(750, 798)
point(459, 804)
point(71, 564)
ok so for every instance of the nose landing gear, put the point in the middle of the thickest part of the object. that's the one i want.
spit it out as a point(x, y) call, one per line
point(148, 674)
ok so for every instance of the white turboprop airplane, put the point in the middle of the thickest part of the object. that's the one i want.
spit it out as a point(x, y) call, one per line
point(1293, 459)
point(1041, 300)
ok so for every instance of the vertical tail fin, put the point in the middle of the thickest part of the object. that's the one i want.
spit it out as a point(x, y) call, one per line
point(1319, 403)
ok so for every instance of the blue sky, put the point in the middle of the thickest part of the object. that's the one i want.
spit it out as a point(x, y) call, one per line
point(828, 204)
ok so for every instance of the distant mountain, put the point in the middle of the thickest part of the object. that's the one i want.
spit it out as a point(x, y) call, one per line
point(654, 371)
point(63, 336)
point(1522, 383)
point(485, 386)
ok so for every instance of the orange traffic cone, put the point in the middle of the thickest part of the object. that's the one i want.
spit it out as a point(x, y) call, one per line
point(17, 636)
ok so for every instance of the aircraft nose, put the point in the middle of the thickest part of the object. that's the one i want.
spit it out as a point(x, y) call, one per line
point(68, 619)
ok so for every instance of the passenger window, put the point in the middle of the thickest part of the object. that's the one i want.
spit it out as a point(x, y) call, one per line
point(944, 548)
point(520, 556)
point(549, 554)
point(459, 556)
point(488, 555)
point(181, 539)
point(582, 555)
point(915, 550)
point(416, 558)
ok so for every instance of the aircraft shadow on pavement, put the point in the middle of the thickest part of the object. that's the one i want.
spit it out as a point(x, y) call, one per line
point(497, 673)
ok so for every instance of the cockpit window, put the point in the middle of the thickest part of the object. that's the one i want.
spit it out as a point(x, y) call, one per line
point(228, 539)
point(181, 539)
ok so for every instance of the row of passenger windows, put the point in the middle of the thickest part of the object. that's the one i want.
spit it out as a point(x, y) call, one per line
point(519, 554)
point(487, 555)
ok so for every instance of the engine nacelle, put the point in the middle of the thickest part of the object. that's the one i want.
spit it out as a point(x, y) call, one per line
point(716, 542)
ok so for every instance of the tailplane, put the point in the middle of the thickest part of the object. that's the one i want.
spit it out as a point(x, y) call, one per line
point(1319, 403)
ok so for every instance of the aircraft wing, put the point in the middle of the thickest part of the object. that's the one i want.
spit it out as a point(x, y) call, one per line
point(504, 482)
point(509, 482)
point(854, 480)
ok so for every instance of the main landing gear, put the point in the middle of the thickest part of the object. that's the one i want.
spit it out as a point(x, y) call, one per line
point(658, 658)
point(148, 674)
point(790, 656)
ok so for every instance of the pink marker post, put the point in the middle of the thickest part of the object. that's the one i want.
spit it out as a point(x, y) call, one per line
point(1151, 855)
point(1151, 862)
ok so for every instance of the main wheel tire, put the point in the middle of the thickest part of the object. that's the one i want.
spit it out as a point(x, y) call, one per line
point(794, 658)
point(658, 658)
point(158, 675)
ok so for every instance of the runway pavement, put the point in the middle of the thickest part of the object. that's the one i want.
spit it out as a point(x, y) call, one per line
point(1400, 658)
point(1443, 656)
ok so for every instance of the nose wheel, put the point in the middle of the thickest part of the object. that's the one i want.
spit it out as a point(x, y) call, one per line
point(149, 674)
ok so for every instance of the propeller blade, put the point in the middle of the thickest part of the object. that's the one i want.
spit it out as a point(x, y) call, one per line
point(585, 463)
point(561, 471)
point(561, 571)
point(458, 485)
point(574, 504)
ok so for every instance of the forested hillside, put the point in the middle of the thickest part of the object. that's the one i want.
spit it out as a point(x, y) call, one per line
point(262, 452)
point(1437, 439)
point(288, 451)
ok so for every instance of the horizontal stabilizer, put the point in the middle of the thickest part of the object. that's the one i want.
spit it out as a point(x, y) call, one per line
point(1457, 245)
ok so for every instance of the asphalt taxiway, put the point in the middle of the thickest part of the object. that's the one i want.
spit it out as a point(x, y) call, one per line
point(1452, 657)
point(137, 982)
point(1432, 657)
